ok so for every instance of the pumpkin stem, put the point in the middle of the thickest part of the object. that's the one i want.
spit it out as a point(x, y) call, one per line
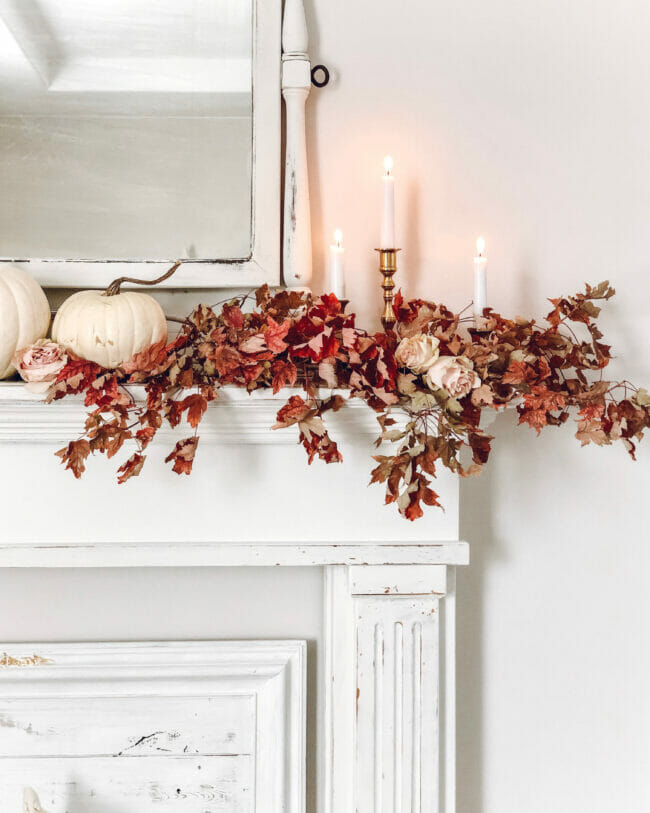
point(115, 286)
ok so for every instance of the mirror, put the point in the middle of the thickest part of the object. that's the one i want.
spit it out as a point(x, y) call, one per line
point(127, 132)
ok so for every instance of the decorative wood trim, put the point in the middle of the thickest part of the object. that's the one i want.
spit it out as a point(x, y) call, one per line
point(389, 746)
point(220, 554)
point(236, 417)
point(271, 672)
point(296, 86)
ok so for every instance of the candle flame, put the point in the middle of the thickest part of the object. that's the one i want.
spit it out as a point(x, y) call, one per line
point(338, 238)
point(388, 165)
point(480, 247)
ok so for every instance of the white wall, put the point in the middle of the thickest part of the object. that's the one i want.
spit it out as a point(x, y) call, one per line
point(527, 123)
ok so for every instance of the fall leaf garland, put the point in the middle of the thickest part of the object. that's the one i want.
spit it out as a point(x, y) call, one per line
point(428, 383)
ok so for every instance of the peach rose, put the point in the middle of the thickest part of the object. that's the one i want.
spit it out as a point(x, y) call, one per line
point(455, 374)
point(417, 352)
point(39, 364)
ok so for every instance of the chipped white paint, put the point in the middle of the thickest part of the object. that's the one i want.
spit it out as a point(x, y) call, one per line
point(221, 554)
point(296, 84)
point(164, 726)
point(388, 750)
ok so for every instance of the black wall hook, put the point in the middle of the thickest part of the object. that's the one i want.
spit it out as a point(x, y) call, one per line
point(322, 81)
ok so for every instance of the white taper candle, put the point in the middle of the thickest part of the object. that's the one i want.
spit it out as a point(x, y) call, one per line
point(480, 278)
point(387, 237)
point(337, 276)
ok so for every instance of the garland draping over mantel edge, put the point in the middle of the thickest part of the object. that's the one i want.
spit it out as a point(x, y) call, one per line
point(435, 369)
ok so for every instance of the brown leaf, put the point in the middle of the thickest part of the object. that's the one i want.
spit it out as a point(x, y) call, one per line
point(196, 406)
point(483, 396)
point(131, 468)
point(74, 456)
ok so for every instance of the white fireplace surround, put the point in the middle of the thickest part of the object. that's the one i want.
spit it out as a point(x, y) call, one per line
point(389, 612)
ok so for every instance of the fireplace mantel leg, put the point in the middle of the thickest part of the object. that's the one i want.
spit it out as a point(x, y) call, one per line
point(390, 679)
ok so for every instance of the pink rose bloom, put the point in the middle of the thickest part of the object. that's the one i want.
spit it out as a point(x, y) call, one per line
point(417, 352)
point(39, 364)
point(455, 374)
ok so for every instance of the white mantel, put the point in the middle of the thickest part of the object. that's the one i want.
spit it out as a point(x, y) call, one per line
point(388, 665)
point(250, 485)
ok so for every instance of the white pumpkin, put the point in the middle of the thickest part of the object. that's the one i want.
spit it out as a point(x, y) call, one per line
point(109, 330)
point(24, 314)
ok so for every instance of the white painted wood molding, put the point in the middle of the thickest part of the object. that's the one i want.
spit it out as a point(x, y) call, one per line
point(212, 725)
point(296, 85)
point(222, 554)
point(236, 417)
point(390, 705)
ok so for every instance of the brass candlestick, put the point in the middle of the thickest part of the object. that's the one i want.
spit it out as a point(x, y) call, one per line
point(387, 268)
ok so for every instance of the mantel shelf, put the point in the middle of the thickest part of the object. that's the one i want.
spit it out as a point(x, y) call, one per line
point(236, 417)
point(224, 554)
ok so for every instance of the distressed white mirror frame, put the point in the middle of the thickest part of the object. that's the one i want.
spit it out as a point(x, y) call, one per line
point(274, 70)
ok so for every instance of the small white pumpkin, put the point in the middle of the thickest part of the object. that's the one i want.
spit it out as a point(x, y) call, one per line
point(109, 330)
point(111, 327)
point(24, 314)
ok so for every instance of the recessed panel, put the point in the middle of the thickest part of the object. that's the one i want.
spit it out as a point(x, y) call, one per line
point(207, 727)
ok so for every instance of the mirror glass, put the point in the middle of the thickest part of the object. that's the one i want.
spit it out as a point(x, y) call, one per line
point(126, 129)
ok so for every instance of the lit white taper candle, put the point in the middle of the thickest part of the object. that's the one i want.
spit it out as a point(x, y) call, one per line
point(480, 278)
point(337, 276)
point(387, 237)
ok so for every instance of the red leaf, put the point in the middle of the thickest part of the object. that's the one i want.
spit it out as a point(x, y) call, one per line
point(196, 406)
point(284, 374)
point(233, 316)
point(413, 510)
point(535, 418)
point(148, 360)
point(541, 397)
point(183, 455)
point(518, 373)
point(274, 335)
point(295, 410)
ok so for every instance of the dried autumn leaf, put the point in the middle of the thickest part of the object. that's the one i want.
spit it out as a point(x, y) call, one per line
point(74, 456)
point(150, 359)
point(590, 431)
point(295, 410)
point(483, 396)
point(284, 374)
point(275, 333)
point(642, 397)
point(196, 405)
point(183, 455)
point(131, 468)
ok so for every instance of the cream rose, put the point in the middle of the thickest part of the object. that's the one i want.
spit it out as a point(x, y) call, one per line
point(39, 364)
point(455, 374)
point(417, 352)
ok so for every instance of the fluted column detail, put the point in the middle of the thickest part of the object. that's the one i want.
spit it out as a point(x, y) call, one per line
point(387, 744)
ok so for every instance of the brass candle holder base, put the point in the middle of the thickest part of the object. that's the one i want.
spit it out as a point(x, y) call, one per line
point(387, 268)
